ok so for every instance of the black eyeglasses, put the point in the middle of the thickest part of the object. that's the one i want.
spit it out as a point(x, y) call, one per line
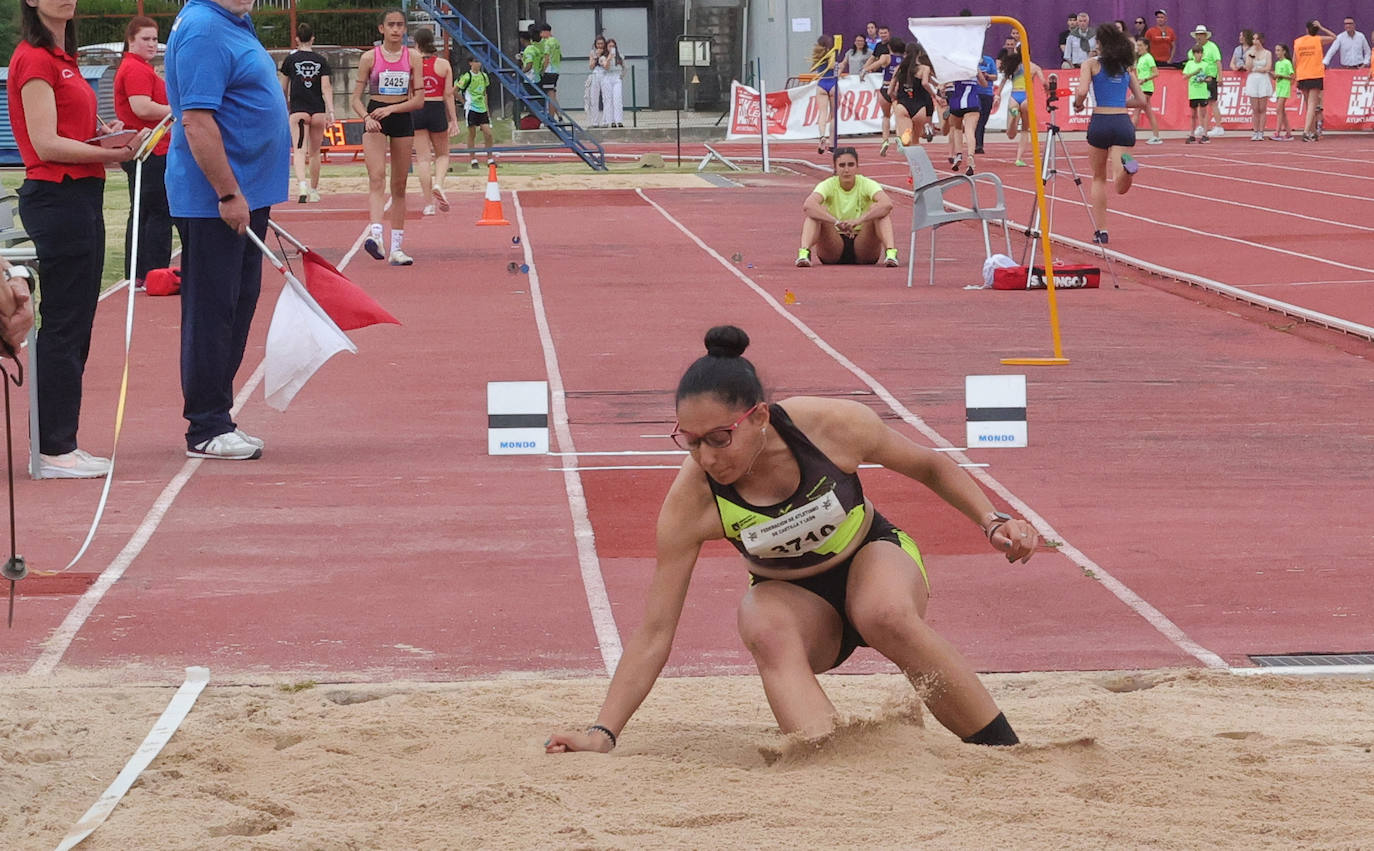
point(718, 438)
point(1140, 20)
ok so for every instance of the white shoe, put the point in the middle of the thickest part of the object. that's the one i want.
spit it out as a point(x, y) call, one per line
point(400, 258)
point(428, 211)
point(248, 438)
point(1155, 141)
point(77, 464)
point(314, 196)
point(228, 446)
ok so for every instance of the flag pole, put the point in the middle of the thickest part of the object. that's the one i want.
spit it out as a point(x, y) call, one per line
point(289, 238)
point(1058, 359)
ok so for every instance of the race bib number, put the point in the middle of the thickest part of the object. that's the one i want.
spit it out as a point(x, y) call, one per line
point(796, 532)
point(393, 83)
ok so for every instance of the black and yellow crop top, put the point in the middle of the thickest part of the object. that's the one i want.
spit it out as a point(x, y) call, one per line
point(817, 521)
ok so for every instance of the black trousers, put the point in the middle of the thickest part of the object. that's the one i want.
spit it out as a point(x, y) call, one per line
point(154, 219)
point(221, 277)
point(984, 110)
point(67, 223)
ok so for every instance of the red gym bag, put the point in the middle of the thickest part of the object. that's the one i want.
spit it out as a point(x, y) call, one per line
point(1065, 278)
point(163, 281)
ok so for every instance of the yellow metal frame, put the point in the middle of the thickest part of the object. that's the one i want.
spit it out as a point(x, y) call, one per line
point(1058, 359)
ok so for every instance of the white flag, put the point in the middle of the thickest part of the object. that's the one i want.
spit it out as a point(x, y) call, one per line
point(300, 340)
point(955, 45)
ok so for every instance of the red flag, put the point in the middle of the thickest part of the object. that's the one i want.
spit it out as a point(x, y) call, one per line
point(345, 302)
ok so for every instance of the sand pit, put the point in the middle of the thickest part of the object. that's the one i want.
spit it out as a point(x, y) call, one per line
point(1171, 759)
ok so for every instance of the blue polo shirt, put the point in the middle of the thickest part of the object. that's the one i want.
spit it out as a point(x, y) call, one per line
point(987, 66)
point(215, 62)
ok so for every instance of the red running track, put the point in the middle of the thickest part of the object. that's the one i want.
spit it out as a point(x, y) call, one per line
point(1201, 458)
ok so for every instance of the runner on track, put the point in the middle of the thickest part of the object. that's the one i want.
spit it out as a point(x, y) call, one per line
point(828, 573)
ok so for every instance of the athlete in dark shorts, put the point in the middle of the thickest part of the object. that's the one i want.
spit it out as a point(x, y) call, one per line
point(848, 218)
point(1109, 77)
point(780, 482)
point(310, 102)
point(393, 76)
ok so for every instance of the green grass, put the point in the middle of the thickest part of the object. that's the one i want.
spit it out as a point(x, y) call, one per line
point(116, 220)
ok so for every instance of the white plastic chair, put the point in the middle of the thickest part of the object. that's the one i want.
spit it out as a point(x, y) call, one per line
point(10, 233)
point(928, 206)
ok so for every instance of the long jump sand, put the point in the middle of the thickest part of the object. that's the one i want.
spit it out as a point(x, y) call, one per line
point(1169, 759)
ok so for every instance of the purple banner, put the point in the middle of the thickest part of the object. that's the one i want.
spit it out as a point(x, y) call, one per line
point(1280, 20)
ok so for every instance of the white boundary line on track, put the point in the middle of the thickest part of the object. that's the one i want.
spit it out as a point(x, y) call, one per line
point(598, 601)
point(157, 738)
point(55, 647)
point(1135, 602)
point(1270, 185)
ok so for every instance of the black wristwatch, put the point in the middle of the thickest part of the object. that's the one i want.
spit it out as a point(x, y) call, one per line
point(225, 199)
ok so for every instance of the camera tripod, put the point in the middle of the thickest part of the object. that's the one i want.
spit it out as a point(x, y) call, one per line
point(1054, 145)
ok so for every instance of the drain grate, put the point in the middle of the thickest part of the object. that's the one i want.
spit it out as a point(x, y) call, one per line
point(1309, 659)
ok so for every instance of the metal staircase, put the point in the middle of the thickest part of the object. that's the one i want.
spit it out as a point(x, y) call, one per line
point(508, 73)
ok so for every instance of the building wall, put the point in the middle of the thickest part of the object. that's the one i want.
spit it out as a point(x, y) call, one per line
point(774, 40)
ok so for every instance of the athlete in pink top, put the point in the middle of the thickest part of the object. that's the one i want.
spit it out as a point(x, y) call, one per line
point(392, 74)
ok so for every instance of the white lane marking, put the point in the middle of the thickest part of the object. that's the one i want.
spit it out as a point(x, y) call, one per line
point(1134, 601)
point(56, 645)
point(1286, 214)
point(594, 584)
point(1268, 184)
point(153, 743)
point(1304, 169)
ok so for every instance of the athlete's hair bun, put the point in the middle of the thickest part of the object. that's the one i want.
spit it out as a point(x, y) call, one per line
point(726, 341)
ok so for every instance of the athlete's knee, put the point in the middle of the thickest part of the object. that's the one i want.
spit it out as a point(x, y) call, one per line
point(886, 620)
point(768, 632)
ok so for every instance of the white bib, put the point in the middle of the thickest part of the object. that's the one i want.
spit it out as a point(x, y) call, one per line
point(393, 83)
point(797, 532)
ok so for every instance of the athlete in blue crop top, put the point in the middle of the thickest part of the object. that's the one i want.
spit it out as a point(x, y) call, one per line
point(828, 573)
point(1111, 77)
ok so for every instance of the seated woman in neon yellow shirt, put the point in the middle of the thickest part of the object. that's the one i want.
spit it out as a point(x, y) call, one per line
point(848, 218)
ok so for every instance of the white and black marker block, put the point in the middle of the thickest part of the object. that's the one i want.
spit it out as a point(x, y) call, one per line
point(995, 410)
point(517, 417)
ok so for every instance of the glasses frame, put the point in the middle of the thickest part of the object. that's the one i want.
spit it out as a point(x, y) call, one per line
point(694, 441)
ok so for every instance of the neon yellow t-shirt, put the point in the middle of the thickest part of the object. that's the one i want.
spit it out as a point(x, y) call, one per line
point(850, 205)
point(1146, 69)
point(1196, 73)
point(1283, 79)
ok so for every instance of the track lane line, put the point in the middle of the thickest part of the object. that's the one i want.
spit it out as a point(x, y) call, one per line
point(57, 644)
point(1134, 601)
point(589, 563)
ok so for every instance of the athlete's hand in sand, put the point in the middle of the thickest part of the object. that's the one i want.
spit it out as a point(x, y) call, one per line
point(569, 742)
point(1017, 539)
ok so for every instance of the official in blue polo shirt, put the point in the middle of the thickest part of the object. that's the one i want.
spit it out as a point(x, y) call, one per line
point(987, 77)
point(228, 164)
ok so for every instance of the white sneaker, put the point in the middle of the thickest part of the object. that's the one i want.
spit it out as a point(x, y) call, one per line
point(77, 464)
point(304, 192)
point(400, 258)
point(1155, 141)
point(248, 438)
point(314, 195)
point(228, 446)
point(428, 211)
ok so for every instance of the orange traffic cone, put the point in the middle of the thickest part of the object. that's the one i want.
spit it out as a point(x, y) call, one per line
point(491, 211)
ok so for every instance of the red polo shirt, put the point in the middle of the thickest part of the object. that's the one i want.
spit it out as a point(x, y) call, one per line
point(76, 106)
point(1162, 40)
point(136, 77)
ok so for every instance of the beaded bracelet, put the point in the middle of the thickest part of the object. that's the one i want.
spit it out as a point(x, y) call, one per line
point(597, 728)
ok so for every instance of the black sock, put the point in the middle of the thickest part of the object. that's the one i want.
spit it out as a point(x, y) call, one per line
point(998, 732)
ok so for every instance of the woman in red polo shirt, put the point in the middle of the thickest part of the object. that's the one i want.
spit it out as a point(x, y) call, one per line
point(52, 110)
point(140, 99)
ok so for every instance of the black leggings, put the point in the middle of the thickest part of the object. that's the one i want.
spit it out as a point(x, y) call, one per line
point(67, 223)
